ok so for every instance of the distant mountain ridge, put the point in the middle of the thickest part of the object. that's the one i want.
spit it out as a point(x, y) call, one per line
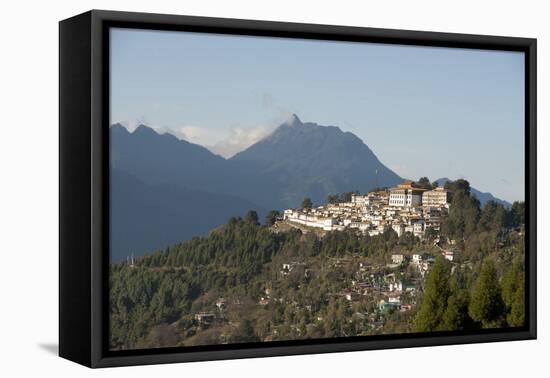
point(314, 160)
point(297, 160)
point(163, 158)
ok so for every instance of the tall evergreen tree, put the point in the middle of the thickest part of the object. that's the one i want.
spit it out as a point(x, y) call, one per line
point(492, 217)
point(517, 214)
point(516, 317)
point(486, 305)
point(464, 211)
point(251, 217)
point(456, 315)
point(513, 294)
point(434, 302)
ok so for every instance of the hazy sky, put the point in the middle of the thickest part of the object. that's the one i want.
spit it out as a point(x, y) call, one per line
point(424, 111)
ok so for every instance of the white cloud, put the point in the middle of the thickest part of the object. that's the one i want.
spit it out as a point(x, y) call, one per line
point(226, 142)
point(197, 135)
point(240, 139)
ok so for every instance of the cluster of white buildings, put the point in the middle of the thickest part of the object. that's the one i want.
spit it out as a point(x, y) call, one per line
point(405, 208)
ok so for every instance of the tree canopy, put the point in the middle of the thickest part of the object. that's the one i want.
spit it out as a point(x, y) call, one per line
point(486, 305)
point(307, 203)
point(424, 183)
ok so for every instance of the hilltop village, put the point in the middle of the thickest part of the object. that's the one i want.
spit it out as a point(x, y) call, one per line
point(405, 208)
point(378, 295)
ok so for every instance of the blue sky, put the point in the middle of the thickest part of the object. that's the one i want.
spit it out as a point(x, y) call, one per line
point(424, 111)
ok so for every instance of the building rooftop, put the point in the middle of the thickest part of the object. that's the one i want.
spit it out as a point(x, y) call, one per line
point(408, 185)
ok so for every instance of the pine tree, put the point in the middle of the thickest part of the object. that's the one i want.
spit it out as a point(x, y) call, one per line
point(456, 315)
point(434, 303)
point(486, 305)
point(251, 217)
point(516, 317)
point(513, 294)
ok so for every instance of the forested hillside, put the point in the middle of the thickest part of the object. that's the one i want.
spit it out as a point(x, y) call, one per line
point(248, 282)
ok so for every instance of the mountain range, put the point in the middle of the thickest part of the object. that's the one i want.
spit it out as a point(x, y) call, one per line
point(313, 160)
point(165, 190)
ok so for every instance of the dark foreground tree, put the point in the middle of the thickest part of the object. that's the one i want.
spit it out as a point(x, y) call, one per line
point(456, 315)
point(306, 203)
point(444, 306)
point(516, 317)
point(513, 294)
point(486, 305)
point(430, 314)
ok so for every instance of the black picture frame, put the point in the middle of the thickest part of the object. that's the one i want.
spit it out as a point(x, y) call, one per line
point(84, 186)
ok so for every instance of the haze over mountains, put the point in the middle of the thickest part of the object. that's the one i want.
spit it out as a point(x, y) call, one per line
point(166, 190)
point(147, 217)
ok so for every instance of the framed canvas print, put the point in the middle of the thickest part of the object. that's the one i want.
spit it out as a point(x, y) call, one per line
point(234, 188)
